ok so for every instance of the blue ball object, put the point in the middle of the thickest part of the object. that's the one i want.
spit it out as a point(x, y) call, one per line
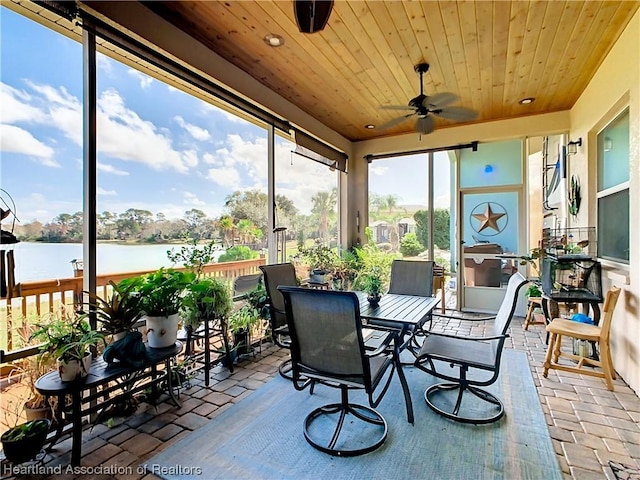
point(582, 318)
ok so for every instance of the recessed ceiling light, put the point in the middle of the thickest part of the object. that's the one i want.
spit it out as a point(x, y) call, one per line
point(526, 101)
point(369, 126)
point(273, 40)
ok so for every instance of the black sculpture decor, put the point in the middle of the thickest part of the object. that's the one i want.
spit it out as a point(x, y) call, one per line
point(312, 15)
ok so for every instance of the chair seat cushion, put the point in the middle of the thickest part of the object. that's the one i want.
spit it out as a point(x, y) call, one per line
point(473, 353)
point(563, 326)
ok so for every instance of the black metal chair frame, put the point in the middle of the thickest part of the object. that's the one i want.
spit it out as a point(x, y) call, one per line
point(277, 316)
point(413, 277)
point(482, 353)
point(306, 376)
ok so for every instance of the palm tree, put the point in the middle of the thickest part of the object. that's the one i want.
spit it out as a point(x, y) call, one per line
point(227, 228)
point(324, 204)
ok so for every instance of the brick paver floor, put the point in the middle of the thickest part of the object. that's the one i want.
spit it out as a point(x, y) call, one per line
point(589, 426)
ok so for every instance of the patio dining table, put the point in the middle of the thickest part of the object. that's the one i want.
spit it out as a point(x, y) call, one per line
point(401, 312)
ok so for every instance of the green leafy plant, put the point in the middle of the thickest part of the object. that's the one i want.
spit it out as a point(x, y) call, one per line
point(120, 312)
point(25, 430)
point(193, 256)
point(371, 281)
point(160, 292)
point(205, 299)
point(533, 260)
point(319, 258)
point(533, 290)
point(238, 252)
point(373, 264)
point(67, 338)
point(410, 246)
point(243, 319)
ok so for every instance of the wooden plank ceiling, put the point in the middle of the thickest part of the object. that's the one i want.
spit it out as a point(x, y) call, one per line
point(489, 53)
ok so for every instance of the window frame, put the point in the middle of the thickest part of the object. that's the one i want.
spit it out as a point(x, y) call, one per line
point(609, 191)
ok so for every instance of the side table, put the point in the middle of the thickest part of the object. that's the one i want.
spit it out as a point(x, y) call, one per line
point(105, 384)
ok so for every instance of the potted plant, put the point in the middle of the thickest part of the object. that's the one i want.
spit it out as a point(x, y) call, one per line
point(28, 370)
point(68, 340)
point(161, 297)
point(23, 442)
point(345, 271)
point(205, 299)
point(240, 324)
point(370, 281)
point(321, 260)
point(118, 314)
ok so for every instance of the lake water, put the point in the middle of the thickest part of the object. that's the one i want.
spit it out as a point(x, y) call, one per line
point(43, 261)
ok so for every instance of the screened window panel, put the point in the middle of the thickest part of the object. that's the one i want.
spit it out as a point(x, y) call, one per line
point(613, 153)
point(613, 226)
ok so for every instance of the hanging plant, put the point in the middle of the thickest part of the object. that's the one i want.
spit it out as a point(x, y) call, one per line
point(574, 197)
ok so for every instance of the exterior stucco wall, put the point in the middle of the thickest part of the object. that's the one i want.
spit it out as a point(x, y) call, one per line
point(615, 86)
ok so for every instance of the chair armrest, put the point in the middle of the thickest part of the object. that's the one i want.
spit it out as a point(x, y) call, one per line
point(456, 317)
point(474, 339)
point(384, 345)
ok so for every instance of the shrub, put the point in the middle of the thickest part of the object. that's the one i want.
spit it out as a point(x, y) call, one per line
point(239, 252)
point(410, 246)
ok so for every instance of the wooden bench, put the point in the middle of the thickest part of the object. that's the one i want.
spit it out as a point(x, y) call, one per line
point(104, 386)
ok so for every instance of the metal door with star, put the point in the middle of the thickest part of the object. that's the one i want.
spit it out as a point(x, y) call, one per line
point(490, 234)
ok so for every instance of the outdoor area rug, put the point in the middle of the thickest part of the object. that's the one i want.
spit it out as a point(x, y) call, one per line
point(261, 437)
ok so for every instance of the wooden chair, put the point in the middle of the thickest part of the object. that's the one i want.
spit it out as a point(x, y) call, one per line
point(599, 334)
point(533, 303)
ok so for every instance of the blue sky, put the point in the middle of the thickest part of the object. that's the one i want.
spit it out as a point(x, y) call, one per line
point(159, 149)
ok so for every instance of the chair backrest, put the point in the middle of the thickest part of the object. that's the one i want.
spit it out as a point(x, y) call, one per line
point(326, 335)
point(274, 276)
point(508, 305)
point(246, 283)
point(609, 305)
point(412, 277)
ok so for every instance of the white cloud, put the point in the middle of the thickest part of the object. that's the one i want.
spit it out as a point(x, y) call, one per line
point(225, 176)
point(144, 79)
point(192, 199)
point(379, 171)
point(102, 191)
point(106, 168)
point(62, 110)
point(17, 140)
point(124, 135)
point(15, 106)
point(209, 158)
point(196, 132)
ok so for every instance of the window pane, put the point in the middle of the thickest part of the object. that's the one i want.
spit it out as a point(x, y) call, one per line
point(613, 226)
point(613, 153)
point(493, 164)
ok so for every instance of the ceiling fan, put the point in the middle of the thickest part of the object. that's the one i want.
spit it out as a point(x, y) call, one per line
point(425, 107)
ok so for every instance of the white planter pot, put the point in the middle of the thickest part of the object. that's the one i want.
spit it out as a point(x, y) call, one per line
point(74, 369)
point(162, 332)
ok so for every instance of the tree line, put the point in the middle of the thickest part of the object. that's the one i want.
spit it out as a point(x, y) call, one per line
point(244, 222)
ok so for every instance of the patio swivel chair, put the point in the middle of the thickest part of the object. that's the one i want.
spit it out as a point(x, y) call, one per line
point(442, 352)
point(412, 277)
point(327, 347)
point(274, 276)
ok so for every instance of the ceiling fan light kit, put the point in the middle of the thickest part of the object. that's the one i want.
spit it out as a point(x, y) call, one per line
point(425, 107)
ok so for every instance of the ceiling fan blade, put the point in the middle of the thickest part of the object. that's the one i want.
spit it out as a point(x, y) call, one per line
point(458, 114)
point(439, 100)
point(396, 107)
point(394, 122)
point(425, 125)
